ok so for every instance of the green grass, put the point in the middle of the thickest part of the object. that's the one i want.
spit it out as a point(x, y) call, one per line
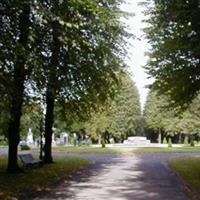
point(37, 179)
point(189, 171)
point(126, 150)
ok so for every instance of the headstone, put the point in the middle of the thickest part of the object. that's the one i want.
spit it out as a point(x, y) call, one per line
point(29, 138)
point(137, 141)
point(64, 138)
point(53, 139)
point(75, 139)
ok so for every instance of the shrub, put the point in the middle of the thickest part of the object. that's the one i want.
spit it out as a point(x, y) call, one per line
point(170, 142)
point(164, 140)
point(25, 147)
point(186, 140)
point(3, 143)
point(103, 145)
point(86, 142)
point(192, 143)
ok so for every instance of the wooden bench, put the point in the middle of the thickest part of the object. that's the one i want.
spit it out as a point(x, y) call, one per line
point(28, 160)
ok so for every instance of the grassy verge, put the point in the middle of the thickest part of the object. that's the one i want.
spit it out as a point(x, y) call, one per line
point(126, 150)
point(189, 171)
point(37, 180)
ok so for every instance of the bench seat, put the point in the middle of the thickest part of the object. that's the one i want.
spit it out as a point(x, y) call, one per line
point(28, 160)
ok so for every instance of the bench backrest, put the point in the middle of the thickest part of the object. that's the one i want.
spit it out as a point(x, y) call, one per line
point(26, 158)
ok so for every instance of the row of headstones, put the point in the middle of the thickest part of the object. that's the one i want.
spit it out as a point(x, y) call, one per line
point(64, 139)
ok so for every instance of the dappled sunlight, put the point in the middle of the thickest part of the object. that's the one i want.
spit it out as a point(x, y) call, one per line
point(123, 177)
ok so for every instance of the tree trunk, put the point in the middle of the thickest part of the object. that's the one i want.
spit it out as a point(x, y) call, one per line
point(179, 138)
point(49, 119)
point(159, 136)
point(99, 138)
point(51, 92)
point(19, 76)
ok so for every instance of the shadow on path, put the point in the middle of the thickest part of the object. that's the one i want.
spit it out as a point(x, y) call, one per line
point(122, 177)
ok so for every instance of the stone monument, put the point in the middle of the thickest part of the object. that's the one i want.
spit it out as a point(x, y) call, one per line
point(29, 138)
point(64, 138)
point(137, 141)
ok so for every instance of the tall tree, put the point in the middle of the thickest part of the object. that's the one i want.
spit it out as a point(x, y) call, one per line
point(122, 115)
point(154, 114)
point(31, 118)
point(14, 38)
point(174, 35)
point(85, 48)
point(159, 115)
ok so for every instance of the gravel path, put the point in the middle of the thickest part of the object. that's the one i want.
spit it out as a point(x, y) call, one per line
point(123, 177)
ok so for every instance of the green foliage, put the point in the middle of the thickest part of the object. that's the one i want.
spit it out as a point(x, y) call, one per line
point(174, 34)
point(103, 145)
point(24, 147)
point(192, 143)
point(122, 115)
point(186, 140)
point(86, 142)
point(169, 142)
point(4, 118)
point(15, 51)
point(86, 56)
point(86, 44)
point(159, 115)
point(66, 52)
point(19, 186)
point(188, 169)
point(126, 150)
point(31, 118)
point(164, 140)
point(155, 112)
point(3, 141)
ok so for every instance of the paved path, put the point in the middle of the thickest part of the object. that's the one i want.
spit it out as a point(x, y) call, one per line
point(124, 177)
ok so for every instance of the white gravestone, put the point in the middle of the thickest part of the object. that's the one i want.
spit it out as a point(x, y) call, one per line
point(53, 139)
point(137, 141)
point(64, 138)
point(29, 138)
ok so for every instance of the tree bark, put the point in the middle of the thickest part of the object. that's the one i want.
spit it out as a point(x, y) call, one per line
point(159, 136)
point(179, 138)
point(51, 93)
point(17, 95)
point(49, 119)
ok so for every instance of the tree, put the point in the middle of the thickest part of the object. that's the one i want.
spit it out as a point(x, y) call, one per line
point(154, 114)
point(85, 48)
point(14, 39)
point(126, 111)
point(174, 34)
point(31, 118)
point(159, 115)
point(67, 51)
point(122, 115)
point(4, 118)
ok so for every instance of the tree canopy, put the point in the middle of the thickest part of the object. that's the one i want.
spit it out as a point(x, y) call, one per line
point(159, 115)
point(174, 34)
point(62, 52)
point(122, 116)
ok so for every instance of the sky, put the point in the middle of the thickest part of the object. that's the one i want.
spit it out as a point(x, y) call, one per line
point(136, 58)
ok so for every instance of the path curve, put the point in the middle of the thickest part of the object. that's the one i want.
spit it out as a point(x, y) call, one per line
point(123, 177)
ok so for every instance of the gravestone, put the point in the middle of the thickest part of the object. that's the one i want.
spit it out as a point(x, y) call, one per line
point(64, 138)
point(137, 141)
point(75, 139)
point(53, 139)
point(29, 138)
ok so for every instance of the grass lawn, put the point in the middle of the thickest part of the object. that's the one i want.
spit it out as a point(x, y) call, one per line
point(126, 149)
point(189, 171)
point(38, 179)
